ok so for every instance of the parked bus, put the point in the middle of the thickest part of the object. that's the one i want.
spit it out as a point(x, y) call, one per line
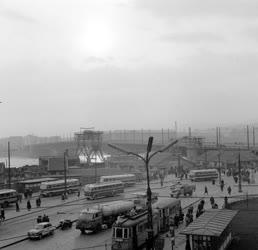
point(8, 196)
point(127, 179)
point(32, 184)
point(203, 175)
point(58, 187)
point(104, 189)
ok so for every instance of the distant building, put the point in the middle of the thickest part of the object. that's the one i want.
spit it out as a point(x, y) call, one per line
point(227, 159)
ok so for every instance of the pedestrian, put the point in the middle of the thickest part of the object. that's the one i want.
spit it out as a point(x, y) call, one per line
point(39, 201)
point(222, 186)
point(20, 197)
point(205, 190)
point(79, 193)
point(176, 220)
point(212, 200)
point(28, 205)
point(39, 219)
point(17, 207)
point(2, 213)
point(229, 190)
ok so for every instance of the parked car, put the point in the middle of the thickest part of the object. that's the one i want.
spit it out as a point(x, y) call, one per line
point(65, 224)
point(42, 229)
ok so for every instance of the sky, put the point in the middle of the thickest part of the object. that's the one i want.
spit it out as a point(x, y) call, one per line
point(126, 64)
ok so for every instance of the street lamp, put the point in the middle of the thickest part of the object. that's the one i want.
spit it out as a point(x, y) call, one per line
point(65, 169)
point(146, 160)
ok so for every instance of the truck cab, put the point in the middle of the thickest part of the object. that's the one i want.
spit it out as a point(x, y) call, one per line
point(90, 220)
point(182, 189)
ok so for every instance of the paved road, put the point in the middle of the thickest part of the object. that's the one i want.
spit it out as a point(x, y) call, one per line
point(73, 239)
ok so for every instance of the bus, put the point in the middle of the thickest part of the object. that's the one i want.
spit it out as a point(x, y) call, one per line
point(8, 196)
point(32, 184)
point(104, 189)
point(58, 187)
point(127, 179)
point(203, 174)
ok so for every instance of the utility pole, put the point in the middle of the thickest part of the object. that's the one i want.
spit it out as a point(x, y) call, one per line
point(219, 168)
point(146, 159)
point(217, 136)
point(9, 166)
point(162, 136)
point(65, 169)
point(247, 136)
point(239, 174)
point(253, 137)
point(150, 243)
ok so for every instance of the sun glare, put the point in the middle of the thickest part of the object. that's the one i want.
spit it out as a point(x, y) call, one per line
point(98, 38)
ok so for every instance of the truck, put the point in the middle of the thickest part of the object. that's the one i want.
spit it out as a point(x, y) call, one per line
point(182, 189)
point(102, 216)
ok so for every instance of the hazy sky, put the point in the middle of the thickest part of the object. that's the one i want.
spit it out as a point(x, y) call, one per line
point(126, 64)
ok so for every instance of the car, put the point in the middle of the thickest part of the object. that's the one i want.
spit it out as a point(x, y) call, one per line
point(65, 224)
point(41, 229)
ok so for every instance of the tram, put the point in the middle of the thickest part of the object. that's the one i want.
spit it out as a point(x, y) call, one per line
point(131, 231)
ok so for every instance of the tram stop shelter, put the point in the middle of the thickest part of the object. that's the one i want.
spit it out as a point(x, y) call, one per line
point(210, 231)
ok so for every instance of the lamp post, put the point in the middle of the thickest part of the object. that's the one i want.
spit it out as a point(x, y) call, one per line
point(65, 169)
point(146, 160)
point(9, 166)
point(239, 174)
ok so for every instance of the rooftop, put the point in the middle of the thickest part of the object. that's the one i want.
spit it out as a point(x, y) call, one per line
point(211, 223)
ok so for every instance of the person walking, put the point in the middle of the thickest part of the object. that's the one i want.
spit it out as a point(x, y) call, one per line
point(79, 193)
point(2, 213)
point(28, 205)
point(205, 190)
point(176, 220)
point(229, 190)
point(17, 207)
point(212, 200)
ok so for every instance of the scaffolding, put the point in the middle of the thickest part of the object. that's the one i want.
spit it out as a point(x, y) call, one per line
point(89, 146)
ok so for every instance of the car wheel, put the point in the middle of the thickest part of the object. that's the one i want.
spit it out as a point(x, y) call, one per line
point(52, 232)
point(40, 236)
point(82, 231)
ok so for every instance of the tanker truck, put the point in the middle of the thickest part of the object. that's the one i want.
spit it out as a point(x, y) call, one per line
point(102, 216)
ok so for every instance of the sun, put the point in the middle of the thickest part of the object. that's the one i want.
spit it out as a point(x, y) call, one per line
point(98, 37)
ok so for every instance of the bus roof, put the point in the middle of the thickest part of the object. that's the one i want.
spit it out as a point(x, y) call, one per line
point(118, 176)
point(37, 180)
point(2, 191)
point(59, 181)
point(203, 170)
point(103, 184)
point(211, 223)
